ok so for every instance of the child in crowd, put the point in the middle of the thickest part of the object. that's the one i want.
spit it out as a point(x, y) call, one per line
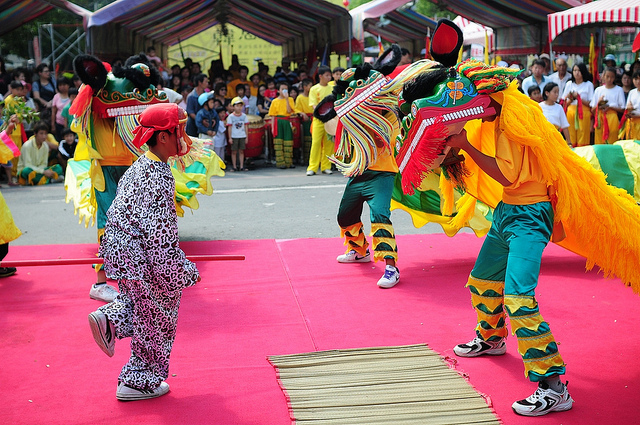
point(33, 165)
point(306, 113)
point(280, 110)
point(606, 102)
point(18, 135)
point(141, 250)
point(185, 93)
point(534, 93)
point(254, 85)
point(632, 127)
point(220, 138)
point(207, 119)
point(73, 92)
point(293, 94)
point(241, 90)
point(271, 92)
point(238, 133)
point(60, 100)
point(67, 147)
point(552, 110)
point(337, 73)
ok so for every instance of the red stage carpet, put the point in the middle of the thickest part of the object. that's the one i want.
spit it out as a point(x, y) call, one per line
point(291, 296)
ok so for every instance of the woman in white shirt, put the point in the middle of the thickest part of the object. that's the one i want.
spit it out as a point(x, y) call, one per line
point(553, 112)
point(607, 102)
point(581, 86)
point(632, 126)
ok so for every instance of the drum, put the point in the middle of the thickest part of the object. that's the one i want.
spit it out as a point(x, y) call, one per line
point(255, 136)
point(296, 128)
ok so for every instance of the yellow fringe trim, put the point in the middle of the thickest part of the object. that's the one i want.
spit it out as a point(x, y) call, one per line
point(491, 319)
point(483, 285)
point(488, 333)
point(380, 255)
point(542, 366)
point(355, 235)
point(528, 322)
point(540, 342)
point(381, 226)
point(466, 206)
point(602, 222)
point(518, 301)
point(446, 190)
point(490, 302)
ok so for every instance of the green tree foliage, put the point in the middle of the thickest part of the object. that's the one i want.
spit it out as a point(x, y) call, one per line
point(424, 7)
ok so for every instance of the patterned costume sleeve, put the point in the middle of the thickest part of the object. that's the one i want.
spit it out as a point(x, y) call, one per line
point(170, 267)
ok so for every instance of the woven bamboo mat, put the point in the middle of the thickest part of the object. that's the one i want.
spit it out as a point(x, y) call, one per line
point(381, 385)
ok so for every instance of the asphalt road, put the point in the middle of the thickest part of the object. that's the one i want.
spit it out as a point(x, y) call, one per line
point(265, 203)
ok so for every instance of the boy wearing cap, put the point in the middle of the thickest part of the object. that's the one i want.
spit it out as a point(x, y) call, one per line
point(237, 122)
point(141, 251)
point(207, 118)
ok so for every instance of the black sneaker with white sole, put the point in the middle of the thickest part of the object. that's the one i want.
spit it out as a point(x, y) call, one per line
point(543, 401)
point(479, 347)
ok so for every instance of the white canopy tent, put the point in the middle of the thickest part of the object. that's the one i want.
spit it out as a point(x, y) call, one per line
point(597, 13)
point(472, 32)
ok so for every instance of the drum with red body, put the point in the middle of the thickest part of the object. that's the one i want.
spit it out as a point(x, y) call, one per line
point(296, 129)
point(255, 136)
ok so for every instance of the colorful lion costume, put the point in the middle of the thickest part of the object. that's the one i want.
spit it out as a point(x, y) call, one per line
point(592, 218)
point(105, 114)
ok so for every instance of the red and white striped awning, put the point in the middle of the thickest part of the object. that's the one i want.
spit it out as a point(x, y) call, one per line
point(596, 12)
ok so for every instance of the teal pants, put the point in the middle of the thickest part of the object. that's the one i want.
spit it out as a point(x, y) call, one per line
point(112, 175)
point(505, 277)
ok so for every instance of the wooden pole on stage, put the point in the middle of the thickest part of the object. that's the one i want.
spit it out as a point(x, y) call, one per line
point(76, 261)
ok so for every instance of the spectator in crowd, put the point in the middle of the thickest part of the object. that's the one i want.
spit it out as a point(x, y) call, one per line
point(220, 138)
point(33, 165)
point(151, 56)
point(552, 110)
point(578, 93)
point(610, 61)
point(73, 92)
point(243, 71)
point(627, 84)
point(175, 83)
point(288, 72)
point(263, 70)
point(77, 82)
point(606, 103)
point(234, 68)
point(632, 127)
point(17, 92)
point(202, 82)
point(44, 89)
point(254, 84)
point(306, 114)
point(237, 122)
point(271, 91)
point(561, 76)
point(184, 91)
point(293, 93)
point(59, 102)
point(547, 64)
point(337, 73)
point(220, 93)
point(241, 93)
point(534, 94)
point(321, 146)
point(175, 70)
point(537, 77)
point(207, 118)
point(185, 75)
point(406, 57)
point(280, 110)
point(263, 102)
point(302, 75)
point(66, 147)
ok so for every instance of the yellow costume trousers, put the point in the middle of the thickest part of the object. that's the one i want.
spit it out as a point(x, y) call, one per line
point(580, 136)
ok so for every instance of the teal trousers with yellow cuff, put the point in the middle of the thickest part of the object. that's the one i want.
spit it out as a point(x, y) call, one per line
point(504, 279)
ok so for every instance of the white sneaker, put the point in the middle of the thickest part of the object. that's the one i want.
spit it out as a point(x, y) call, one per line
point(103, 292)
point(543, 401)
point(479, 347)
point(390, 277)
point(353, 257)
point(327, 172)
point(311, 173)
point(126, 393)
point(104, 333)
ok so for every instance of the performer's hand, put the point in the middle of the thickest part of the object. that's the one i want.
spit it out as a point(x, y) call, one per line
point(458, 140)
point(13, 121)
